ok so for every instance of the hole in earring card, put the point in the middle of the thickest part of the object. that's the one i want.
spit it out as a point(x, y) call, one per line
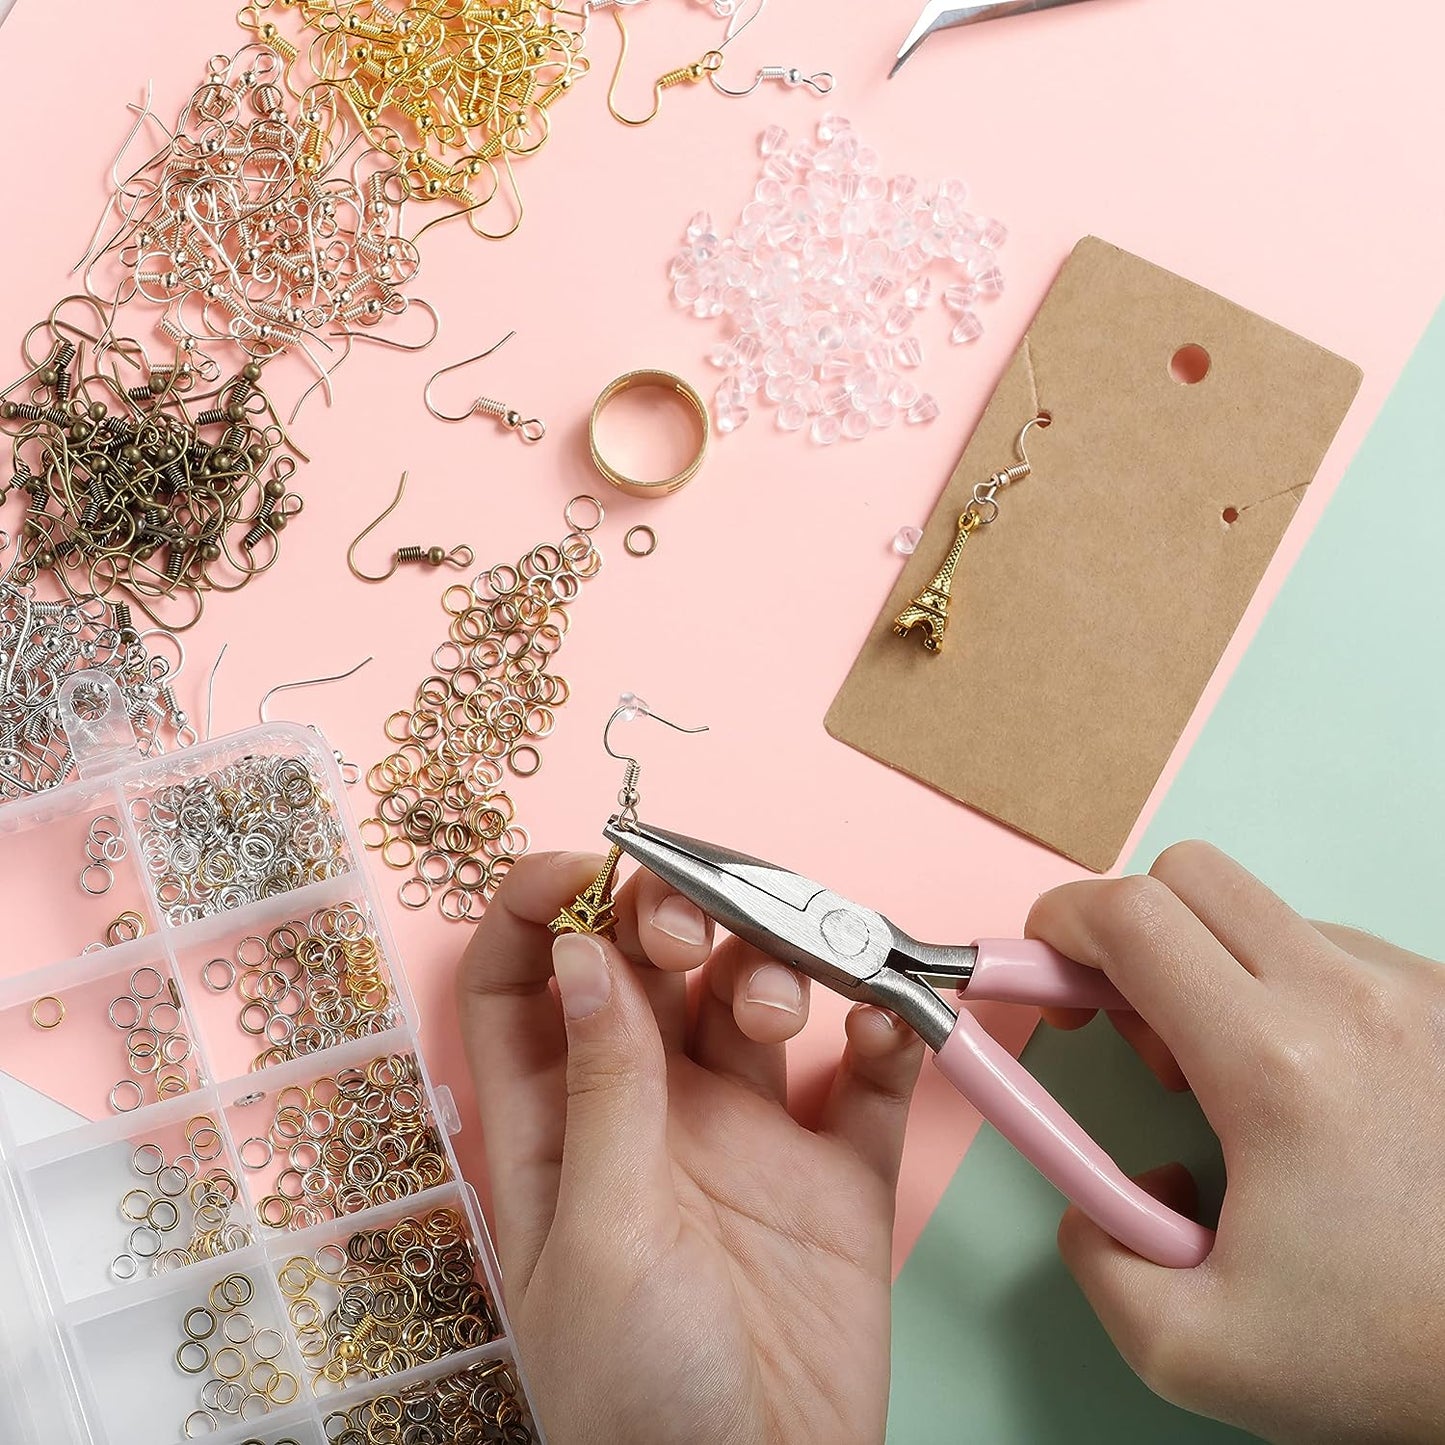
point(1189, 365)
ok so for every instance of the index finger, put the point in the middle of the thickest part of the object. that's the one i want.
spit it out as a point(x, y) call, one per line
point(1170, 967)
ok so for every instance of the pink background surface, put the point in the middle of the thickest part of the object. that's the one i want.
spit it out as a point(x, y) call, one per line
point(1271, 152)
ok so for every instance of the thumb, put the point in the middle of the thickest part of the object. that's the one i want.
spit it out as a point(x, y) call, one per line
point(1143, 1306)
point(614, 1153)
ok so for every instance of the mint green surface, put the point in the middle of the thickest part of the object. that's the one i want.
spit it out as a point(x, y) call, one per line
point(1321, 770)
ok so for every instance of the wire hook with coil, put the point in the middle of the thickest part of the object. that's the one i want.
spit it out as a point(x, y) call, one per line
point(530, 429)
point(821, 82)
point(459, 556)
point(630, 707)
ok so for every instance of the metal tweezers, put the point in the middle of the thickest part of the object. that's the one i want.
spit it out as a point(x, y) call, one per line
point(938, 15)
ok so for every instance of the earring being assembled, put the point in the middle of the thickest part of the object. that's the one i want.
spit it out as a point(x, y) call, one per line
point(928, 611)
point(594, 910)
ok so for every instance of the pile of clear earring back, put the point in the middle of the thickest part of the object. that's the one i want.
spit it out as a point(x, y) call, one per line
point(454, 94)
point(822, 281)
point(442, 809)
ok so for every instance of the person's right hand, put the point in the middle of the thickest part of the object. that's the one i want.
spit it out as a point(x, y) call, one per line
point(1318, 1056)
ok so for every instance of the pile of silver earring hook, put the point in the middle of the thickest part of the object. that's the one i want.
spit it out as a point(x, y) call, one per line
point(41, 644)
point(248, 226)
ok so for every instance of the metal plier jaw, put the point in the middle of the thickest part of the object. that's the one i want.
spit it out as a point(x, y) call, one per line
point(855, 951)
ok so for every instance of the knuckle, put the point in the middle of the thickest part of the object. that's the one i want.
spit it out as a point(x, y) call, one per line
point(1134, 906)
point(1177, 1360)
point(1296, 1068)
point(598, 1074)
point(1372, 1012)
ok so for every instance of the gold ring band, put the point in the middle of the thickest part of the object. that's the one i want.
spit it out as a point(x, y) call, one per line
point(633, 381)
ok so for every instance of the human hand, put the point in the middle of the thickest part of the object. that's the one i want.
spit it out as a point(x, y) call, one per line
point(683, 1260)
point(1316, 1054)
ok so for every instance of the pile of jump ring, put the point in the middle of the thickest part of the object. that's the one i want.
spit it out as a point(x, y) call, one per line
point(41, 644)
point(158, 1050)
point(388, 1300)
point(247, 227)
point(491, 698)
point(454, 94)
point(253, 829)
point(157, 1047)
point(360, 1137)
point(157, 489)
point(308, 984)
point(123, 928)
point(180, 1197)
point(480, 1405)
point(104, 847)
point(242, 1379)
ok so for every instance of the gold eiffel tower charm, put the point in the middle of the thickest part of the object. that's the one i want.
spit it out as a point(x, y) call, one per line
point(929, 610)
point(594, 910)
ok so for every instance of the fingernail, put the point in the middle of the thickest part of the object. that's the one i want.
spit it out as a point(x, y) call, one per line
point(680, 918)
point(583, 979)
point(568, 861)
point(777, 987)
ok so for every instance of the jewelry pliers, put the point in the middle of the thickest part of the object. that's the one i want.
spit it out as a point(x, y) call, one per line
point(864, 956)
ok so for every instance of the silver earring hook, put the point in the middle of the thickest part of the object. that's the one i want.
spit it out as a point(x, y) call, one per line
point(631, 706)
point(350, 772)
point(530, 429)
point(436, 330)
point(820, 82)
point(1043, 421)
point(309, 682)
point(211, 688)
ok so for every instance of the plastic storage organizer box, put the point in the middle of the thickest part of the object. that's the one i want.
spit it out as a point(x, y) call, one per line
point(230, 1207)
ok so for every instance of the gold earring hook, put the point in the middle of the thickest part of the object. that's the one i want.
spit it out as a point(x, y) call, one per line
point(710, 63)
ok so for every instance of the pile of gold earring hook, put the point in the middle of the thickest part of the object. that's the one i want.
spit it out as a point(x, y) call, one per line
point(454, 91)
point(155, 489)
point(249, 225)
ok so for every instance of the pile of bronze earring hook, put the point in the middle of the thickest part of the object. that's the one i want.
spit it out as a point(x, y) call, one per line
point(152, 488)
point(454, 90)
point(249, 226)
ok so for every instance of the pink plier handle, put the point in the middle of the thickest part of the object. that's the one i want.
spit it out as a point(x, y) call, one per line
point(1032, 1120)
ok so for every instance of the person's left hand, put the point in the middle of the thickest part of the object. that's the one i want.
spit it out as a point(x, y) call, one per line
point(683, 1259)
